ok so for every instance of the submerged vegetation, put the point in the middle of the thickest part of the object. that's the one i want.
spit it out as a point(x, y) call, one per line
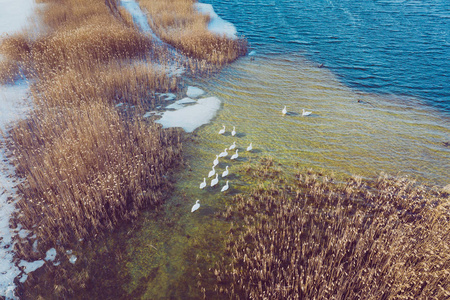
point(314, 238)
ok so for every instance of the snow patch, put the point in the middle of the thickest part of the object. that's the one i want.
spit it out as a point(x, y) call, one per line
point(216, 24)
point(73, 259)
point(139, 18)
point(31, 266)
point(191, 117)
point(51, 254)
point(194, 92)
point(15, 14)
point(180, 103)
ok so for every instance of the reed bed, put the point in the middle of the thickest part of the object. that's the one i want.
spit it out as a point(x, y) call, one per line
point(177, 23)
point(318, 239)
point(88, 173)
point(85, 165)
point(134, 83)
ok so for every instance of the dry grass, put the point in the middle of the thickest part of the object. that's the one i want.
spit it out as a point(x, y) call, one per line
point(91, 171)
point(85, 166)
point(315, 239)
point(177, 23)
point(119, 81)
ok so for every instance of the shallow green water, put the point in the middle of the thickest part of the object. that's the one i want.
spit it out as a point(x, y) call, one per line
point(381, 133)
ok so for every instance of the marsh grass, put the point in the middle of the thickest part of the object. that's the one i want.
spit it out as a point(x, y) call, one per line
point(88, 173)
point(318, 239)
point(178, 23)
point(134, 83)
point(85, 165)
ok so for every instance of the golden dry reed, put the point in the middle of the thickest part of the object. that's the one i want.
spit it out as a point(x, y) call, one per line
point(180, 25)
point(91, 171)
point(318, 239)
point(85, 164)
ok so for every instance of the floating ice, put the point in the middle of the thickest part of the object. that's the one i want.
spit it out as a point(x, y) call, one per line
point(194, 92)
point(180, 103)
point(191, 117)
point(51, 254)
point(216, 24)
point(168, 96)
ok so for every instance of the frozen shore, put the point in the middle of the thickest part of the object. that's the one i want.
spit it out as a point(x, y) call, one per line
point(14, 104)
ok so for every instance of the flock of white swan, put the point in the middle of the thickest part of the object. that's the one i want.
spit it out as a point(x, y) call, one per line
point(225, 173)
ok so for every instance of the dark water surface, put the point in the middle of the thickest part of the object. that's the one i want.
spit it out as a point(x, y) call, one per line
point(386, 47)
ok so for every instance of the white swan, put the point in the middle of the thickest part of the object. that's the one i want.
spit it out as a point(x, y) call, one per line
point(305, 113)
point(232, 146)
point(224, 153)
point(222, 131)
point(284, 111)
point(236, 155)
point(216, 161)
point(196, 206)
point(225, 187)
point(250, 147)
point(215, 180)
point(212, 172)
point(233, 133)
point(225, 173)
point(203, 184)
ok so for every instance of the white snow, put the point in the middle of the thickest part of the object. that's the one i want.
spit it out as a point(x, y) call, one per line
point(139, 18)
point(216, 24)
point(168, 96)
point(14, 16)
point(180, 103)
point(51, 254)
point(73, 259)
point(31, 266)
point(191, 117)
point(194, 92)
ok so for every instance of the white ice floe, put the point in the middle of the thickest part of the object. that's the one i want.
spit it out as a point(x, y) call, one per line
point(51, 254)
point(168, 96)
point(191, 117)
point(216, 24)
point(194, 92)
point(180, 103)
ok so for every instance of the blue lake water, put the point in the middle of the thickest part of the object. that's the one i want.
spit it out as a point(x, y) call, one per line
point(384, 47)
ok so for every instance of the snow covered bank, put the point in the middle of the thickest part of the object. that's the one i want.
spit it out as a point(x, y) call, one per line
point(216, 24)
point(139, 18)
point(14, 15)
point(14, 104)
